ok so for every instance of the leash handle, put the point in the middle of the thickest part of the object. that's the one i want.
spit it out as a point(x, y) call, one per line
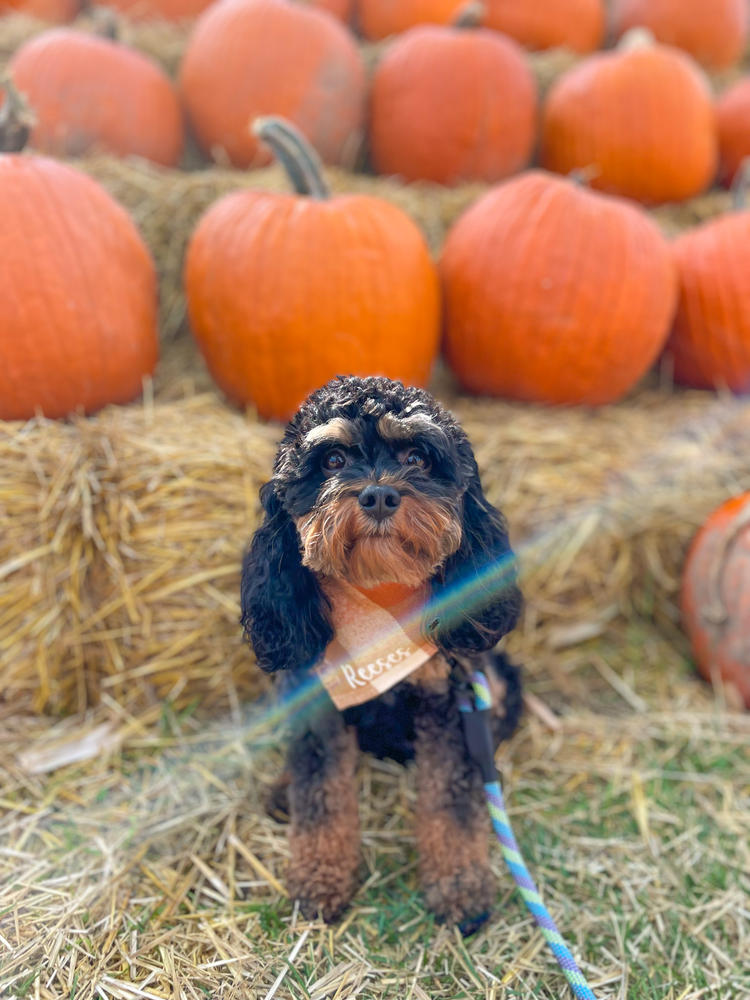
point(475, 718)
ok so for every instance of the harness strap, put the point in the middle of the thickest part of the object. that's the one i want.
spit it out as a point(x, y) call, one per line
point(479, 743)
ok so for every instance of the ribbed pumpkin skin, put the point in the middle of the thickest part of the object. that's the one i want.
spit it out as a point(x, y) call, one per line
point(715, 595)
point(90, 93)
point(733, 118)
point(285, 292)
point(642, 119)
point(247, 58)
point(53, 11)
point(160, 10)
point(381, 18)
point(710, 339)
point(713, 31)
point(450, 105)
point(554, 294)
point(575, 24)
point(78, 288)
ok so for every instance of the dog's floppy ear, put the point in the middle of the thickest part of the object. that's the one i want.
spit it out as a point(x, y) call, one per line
point(283, 608)
point(475, 596)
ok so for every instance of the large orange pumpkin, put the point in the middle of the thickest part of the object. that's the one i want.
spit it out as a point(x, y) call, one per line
point(160, 10)
point(554, 293)
point(247, 58)
point(574, 24)
point(92, 93)
point(716, 596)
point(78, 290)
point(710, 340)
point(285, 291)
point(712, 31)
point(640, 119)
point(452, 104)
point(381, 18)
point(733, 117)
point(53, 11)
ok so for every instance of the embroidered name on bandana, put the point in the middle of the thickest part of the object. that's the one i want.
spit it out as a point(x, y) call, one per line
point(377, 640)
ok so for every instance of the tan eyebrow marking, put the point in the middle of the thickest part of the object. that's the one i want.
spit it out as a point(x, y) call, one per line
point(394, 428)
point(337, 430)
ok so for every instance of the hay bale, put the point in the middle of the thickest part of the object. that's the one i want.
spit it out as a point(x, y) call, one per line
point(120, 562)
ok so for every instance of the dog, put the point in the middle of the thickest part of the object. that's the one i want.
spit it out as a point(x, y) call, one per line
point(375, 483)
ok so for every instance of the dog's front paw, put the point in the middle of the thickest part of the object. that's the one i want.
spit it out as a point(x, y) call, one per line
point(322, 873)
point(463, 897)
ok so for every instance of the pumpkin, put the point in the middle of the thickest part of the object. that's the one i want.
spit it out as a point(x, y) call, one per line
point(92, 93)
point(247, 58)
point(160, 10)
point(77, 284)
point(285, 291)
point(381, 18)
point(53, 11)
point(715, 596)
point(451, 104)
point(709, 345)
point(733, 118)
point(640, 118)
point(554, 293)
point(574, 24)
point(713, 31)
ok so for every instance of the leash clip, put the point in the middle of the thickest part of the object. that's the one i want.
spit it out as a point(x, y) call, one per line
point(478, 737)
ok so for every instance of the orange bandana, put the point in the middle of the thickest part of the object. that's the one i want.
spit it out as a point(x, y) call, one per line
point(377, 640)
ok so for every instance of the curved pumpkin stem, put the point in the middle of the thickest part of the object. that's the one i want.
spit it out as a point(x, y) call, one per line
point(470, 15)
point(106, 23)
point(16, 118)
point(298, 158)
point(741, 185)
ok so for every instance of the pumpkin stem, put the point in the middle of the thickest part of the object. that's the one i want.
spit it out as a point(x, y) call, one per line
point(583, 176)
point(298, 158)
point(470, 15)
point(106, 23)
point(16, 118)
point(636, 38)
point(741, 185)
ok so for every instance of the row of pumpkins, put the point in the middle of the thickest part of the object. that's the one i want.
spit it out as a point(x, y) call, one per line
point(713, 32)
point(551, 292)
point(446, 103)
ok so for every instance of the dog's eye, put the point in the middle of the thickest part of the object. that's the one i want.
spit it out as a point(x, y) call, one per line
point(333, 460)
point(415, 458)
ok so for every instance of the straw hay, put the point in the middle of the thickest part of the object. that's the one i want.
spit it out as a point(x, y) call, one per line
point(121, 561)
point(153, 871)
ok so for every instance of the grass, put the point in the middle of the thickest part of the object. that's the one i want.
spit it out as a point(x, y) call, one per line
point(153, 871)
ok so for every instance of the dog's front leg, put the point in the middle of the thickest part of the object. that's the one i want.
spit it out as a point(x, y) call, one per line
point(453, 829)
point(324, 830)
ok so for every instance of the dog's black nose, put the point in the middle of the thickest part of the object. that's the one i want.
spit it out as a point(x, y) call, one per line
point(379, 502)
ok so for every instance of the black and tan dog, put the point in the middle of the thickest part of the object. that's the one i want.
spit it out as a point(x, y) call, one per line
point(375, 482)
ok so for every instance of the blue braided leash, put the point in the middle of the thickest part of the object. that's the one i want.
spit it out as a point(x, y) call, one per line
point(479, 741)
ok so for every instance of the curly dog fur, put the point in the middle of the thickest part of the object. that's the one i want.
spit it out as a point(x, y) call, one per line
point(375, 482)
